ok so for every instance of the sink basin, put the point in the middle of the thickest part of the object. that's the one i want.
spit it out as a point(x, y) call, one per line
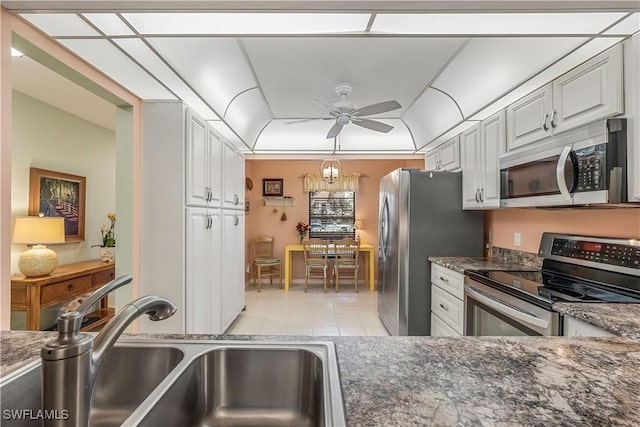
point(245, 387)
point(128, 376)
point(200, 383)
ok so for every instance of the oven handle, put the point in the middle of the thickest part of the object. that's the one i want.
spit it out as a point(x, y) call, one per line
point(521, 316)
point(562, 183)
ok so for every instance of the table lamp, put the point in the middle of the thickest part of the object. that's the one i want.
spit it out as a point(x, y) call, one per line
point(358, 225)
point(37, 230)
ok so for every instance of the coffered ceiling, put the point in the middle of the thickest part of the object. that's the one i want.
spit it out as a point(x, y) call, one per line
point(250, 73)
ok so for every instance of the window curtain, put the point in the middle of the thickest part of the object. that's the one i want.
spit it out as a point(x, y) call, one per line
point(315, 182)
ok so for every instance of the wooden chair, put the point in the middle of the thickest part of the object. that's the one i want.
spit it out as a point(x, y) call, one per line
point(346, 251)
point(316, 252)
point(264, 263)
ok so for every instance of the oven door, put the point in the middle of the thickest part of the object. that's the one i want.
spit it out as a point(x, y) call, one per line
point(490, 312)
point(546, 178)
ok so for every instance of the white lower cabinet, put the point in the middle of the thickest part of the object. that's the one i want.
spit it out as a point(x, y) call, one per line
point(202, 254)
point(447, 306)
point(578, 328)
point(232, 271)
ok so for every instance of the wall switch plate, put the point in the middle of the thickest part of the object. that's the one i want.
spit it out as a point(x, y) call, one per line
point(516, 239)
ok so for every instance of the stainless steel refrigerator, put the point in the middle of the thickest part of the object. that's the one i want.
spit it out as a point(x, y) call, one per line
point(420, 216)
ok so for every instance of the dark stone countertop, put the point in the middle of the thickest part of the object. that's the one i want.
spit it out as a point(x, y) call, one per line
point(408, 381)
point(619, 319)
point(460, 264)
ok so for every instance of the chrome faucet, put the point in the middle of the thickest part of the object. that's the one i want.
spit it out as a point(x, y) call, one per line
point(71, 362)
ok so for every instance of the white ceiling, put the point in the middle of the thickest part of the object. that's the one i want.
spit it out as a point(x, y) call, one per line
point(250, 73)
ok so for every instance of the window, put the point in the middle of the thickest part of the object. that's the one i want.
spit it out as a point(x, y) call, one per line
point(332, 214)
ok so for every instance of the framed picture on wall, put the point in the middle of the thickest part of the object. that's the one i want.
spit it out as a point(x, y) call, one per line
point(272, 186)
point(59, 194)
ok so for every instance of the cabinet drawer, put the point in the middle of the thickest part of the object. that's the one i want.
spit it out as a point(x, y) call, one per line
point(449, 280)
point(66, 290)
point(448, 308)
point(102, 277)
point(440, 329)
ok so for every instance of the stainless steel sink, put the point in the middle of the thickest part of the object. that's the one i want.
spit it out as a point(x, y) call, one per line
point(129, 375)
point(202, 383)
point(245, 387)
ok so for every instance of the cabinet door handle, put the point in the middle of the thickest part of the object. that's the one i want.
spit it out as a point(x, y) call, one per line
point(236, 220)
point(70, 286)
point(481, 194)
point(236, 199)
point(477, 196)
point(553, 119)
point(444, 307)
point(544, 122)
point(444, 279)
point(209, 194)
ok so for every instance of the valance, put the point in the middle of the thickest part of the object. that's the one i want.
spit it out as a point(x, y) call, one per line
point(315, 182)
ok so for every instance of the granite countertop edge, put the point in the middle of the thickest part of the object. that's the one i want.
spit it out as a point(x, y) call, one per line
point(408, 381)
point(461, 264)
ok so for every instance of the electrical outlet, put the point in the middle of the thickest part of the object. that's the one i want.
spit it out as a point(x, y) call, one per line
point(516, 239)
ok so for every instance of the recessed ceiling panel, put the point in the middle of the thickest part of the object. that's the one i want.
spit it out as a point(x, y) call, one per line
point(488, 68)
point(215, 67)
point(431, 115)
point(294, 71)
point(111, 61)
point(109, 23)
point(311, 137)
point(60, 24)
point(247, 23)
point(628, 26)
point(247, 115)
point(495, 23)
point(148, 59)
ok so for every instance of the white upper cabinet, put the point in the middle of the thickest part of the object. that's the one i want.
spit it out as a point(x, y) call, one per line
point(632, 100)
point(232, 177)
point(445, 157)
point(483, 145)
point(528, 118)
point(589, 92)
point(203, 176)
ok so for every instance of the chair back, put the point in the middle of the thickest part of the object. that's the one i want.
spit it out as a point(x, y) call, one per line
point(347, 251)
point(262, 247)
point(316, 251)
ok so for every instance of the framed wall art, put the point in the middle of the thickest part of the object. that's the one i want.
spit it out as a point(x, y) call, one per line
point(59, 194)
point(272, 187)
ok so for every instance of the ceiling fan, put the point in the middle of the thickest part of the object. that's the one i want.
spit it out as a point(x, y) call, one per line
point(345, 112)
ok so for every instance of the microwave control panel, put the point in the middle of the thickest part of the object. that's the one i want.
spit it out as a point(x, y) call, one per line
point(605, 253)
point(592, 166)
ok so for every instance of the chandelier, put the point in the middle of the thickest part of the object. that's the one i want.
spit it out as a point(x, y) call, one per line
point(331, 170)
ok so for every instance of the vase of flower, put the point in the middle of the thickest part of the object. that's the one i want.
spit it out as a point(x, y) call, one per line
point(302, 228)
point(108, 245)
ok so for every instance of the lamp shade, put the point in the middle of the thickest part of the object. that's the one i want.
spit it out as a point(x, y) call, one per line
point(33, 230)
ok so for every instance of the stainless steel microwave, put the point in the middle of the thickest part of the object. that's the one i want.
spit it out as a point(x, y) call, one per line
point(584, 166)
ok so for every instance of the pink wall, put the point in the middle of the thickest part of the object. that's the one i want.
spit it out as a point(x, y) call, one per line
point(531, 223)
point(262, 220)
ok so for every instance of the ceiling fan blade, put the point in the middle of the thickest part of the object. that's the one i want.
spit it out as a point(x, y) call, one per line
point(332, 108)
point(372, 124)
point(334, 131)
point(380, 107)
point(295, 122)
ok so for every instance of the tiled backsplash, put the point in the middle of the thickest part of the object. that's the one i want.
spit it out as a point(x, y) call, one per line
point(516, 257)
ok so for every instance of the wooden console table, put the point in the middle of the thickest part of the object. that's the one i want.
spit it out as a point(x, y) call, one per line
point(64, 283)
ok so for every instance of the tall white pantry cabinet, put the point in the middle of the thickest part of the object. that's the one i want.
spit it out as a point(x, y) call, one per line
point(185, 222)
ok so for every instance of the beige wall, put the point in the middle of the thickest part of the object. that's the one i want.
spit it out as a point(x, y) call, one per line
point(531, 223)
point(262, 220)
point(49, 138)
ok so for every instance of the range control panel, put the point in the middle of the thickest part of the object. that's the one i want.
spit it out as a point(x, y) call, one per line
point(604, 253)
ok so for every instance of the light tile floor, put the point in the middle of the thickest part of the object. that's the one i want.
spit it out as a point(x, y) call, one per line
point(315, 313)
